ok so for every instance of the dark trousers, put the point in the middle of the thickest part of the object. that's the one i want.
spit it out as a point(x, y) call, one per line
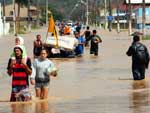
point(138, 72)
point(94, 49)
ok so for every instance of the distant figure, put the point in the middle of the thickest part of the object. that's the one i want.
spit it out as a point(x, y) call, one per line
point(19, 70)
point(87, 34)
point(67, 30)
point(110, 19)
point(140, 58)
point(78, 27)
point(61, 29)
point(42, 69)
point(80, 47)
point(37, 46)
point(95, 40)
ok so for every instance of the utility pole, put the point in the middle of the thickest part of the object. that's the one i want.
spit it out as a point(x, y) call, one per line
point(69, 15)
point(95, 13)
point(14, 17)
point(143, 19)
point(4, 19)
point(130, 18)
point(86, 3)
point(87, 12)
point(118, 23)
point(110, 18)
point(110, 11)
point(38, 13)
point(105, 11)
point(29, 17)
point(46, 12)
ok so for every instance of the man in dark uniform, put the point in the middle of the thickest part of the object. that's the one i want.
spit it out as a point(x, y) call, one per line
point(138, 66)
point(95, 40)
point(87, 34)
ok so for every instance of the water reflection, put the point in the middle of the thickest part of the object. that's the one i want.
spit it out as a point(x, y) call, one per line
point(21, 108)
point(140, 96)
point(34, 107)
point(42, 107)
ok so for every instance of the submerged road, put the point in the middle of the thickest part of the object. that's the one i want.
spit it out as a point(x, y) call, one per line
point(88, 84)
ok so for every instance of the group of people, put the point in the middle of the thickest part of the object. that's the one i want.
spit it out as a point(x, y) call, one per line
point(84, 38)
point(38, 72)
point(138, 51)
point(23, 71)
point(89, 36)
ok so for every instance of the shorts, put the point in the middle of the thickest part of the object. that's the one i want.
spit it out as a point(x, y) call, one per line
point(20, 93)
point(41, 85)
point(37, 51)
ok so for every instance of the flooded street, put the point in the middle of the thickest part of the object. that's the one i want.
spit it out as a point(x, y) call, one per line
point(88, 84)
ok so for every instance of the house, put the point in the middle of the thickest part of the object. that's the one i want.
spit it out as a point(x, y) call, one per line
point(9, 12)
point(138, 17)
point(138, 11)
point(4, 26)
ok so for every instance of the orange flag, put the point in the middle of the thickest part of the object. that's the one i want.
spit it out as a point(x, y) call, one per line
point(52, 29)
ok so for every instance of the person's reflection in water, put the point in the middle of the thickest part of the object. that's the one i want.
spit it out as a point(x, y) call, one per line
point(21, 107)
point(37, 107)
point(139, 96)
point(42, 107)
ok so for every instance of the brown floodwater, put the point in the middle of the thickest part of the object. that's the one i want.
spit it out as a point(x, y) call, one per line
point(88, 84)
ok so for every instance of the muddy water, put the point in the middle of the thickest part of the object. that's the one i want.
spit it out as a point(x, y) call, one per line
point(88, 84)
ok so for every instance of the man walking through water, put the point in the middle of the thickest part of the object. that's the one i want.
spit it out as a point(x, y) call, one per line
point(95, 40)
point(140, 58)
point(80, 47)
point(19, 70)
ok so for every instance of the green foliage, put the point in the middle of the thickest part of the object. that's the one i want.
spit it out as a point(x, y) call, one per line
point(34, 27)
point(147, 37)
point(62, 8)
point(57, 15)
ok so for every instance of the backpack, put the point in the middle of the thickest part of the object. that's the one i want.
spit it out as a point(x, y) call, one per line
point(141, 53)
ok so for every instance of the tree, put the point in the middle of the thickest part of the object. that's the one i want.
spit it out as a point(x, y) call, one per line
point(57, 15)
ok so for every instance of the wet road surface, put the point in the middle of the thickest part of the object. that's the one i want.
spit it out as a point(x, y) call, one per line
point(88, 84)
